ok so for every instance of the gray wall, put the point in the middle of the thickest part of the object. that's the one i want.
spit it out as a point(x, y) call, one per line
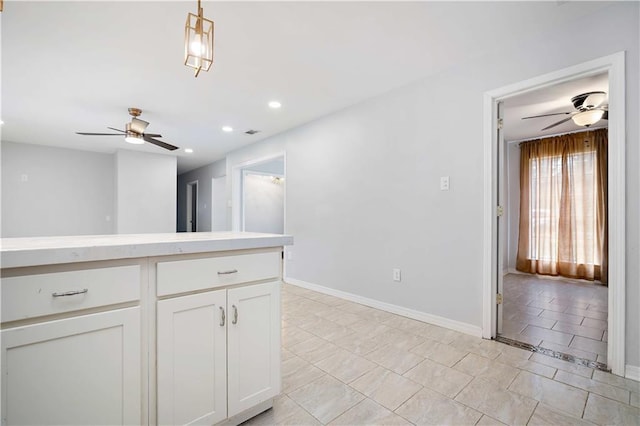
point(219, 205)
point(203, 175)
point(145, 192)
point(67, 192)
point(363, 184)
point(263, 204)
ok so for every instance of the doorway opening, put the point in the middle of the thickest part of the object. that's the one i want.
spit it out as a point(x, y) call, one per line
point(549, 315)
point(192, 206)
point(263, 201)
point(259, 195)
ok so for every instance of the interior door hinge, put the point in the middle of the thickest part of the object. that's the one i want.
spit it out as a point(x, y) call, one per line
point(499, 211)
point(500, 123)
point(499, 299)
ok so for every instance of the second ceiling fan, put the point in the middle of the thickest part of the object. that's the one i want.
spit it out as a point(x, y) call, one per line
point(135, 132)
point(589, 110)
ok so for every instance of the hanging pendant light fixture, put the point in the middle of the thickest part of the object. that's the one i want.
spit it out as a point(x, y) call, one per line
point(198, 42)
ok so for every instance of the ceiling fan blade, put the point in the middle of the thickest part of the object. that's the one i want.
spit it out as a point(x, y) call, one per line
point(159, 143)
point(557, 123)
point(545, 115)
point(152, 135)
point(138, 126)
point(98, 134)
point(117, 130)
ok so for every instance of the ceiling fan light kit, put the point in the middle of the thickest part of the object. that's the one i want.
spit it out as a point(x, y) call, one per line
point(588, 117)
point(198, 41)
point(133, 138)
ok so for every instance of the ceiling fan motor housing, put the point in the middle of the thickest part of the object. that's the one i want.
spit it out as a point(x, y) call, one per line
point(578, 100)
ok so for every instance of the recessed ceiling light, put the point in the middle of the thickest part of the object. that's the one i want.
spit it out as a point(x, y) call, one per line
point(275, 104)
point(188, 150)
point(1, 122)
point(227, 129)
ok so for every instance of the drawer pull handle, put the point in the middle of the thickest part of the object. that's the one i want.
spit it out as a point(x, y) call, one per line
point(231, 271)
point(70, 293)
point(222, 317)
point(235, 314)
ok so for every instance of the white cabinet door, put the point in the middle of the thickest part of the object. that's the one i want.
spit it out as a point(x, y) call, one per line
point(253, 345)
point(191, 357)
point(81, 370)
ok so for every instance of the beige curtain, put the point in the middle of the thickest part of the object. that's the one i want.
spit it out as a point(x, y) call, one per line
point(563, 206)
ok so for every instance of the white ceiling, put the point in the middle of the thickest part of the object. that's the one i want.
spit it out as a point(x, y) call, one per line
point(549, 100)
point(77, 66)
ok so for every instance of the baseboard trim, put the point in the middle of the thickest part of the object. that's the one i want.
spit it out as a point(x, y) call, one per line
point(632, 372)
point(462, 327)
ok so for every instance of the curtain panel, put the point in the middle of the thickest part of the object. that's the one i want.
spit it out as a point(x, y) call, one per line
point(563, 206)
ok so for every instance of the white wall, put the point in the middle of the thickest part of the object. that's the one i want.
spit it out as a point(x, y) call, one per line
point(66, 192)
point(263, 204)
point(363, 184)
point(145, 192)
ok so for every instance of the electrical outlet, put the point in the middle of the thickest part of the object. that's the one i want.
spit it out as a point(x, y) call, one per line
point(396, 275)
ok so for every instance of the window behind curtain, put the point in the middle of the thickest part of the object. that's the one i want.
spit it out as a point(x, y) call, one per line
point(563, 206)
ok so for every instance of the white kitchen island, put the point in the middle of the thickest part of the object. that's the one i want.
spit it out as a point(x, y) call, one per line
point(140, 329)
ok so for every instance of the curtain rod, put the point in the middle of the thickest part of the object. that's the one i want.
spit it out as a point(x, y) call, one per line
point(521, 141)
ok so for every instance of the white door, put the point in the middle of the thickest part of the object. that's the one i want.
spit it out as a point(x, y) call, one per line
point(254, 345)
point(192, 206)
point(191, 359)
point(75, 371)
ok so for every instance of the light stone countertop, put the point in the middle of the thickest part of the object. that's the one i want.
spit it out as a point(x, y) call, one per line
point(33, 251)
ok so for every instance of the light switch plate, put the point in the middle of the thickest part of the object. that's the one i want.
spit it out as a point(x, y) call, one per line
point(444, 183)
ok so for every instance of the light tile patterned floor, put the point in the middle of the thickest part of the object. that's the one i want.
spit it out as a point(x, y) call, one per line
point(564, 315)
point(348, 364)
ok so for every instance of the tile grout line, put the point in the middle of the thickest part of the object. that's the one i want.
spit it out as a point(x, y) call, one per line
point(533, 412)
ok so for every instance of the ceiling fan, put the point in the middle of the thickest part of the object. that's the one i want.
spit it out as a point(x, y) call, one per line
point(589, 110)
point(134, 132)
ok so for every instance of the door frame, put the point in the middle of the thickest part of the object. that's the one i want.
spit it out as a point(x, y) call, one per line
point(189, 200)
point(614, 65)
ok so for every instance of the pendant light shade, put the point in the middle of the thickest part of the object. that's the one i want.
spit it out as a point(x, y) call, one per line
point(587, 118)
point(198, 41)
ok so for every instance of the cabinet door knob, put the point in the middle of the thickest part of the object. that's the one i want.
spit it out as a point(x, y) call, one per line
point(223, 317)
point(70, 293)
point(231, 271)
point(235, 314)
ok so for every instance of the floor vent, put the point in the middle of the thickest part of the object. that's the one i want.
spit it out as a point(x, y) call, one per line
point(554, 354)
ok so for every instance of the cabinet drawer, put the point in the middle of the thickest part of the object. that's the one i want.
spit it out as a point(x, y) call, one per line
point(31, 296)
point(198, 274)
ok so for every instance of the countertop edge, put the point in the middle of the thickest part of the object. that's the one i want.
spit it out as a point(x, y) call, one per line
point(38, 256)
